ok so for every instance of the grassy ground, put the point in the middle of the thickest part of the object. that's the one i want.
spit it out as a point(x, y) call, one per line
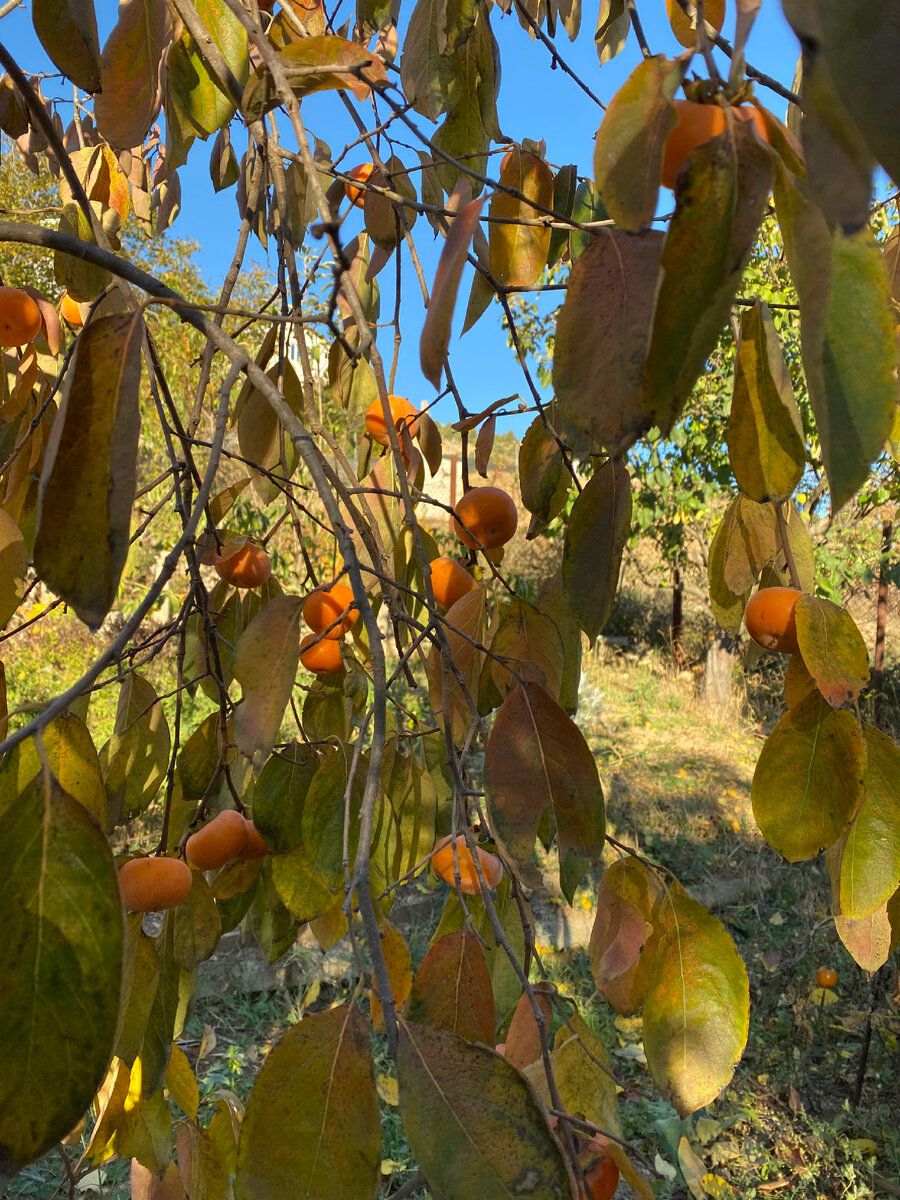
point(677, 779)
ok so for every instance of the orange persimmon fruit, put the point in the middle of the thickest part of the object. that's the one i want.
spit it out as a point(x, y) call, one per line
point(150, 884)
point(450, 581)
point(699, 123)
point(602, 1178)
point(323, 657)
point(771, 620)
point(485, 515)
point(401, 410)
point(247, 567)
point(20, 317)
point(443, 862)
point(70, 310)
point(361, 174)
point(218, 842)
point(254, 844)
point(325, 605)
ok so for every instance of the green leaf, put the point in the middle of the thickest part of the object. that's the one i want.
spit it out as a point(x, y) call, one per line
point(61, 969)
point(134, 760)
point(67, 29)
point(299, 886)
point(596, 532)
point(323, 816)
point(727, 604)
point(474, 1124)
point(847, 337)
point(717, 213)
point(583, 1075)
point(196, 926)
point(89, 475)
point(325, 50)
point(587, 206)
point(537, 761)
point(833, 649)
point(412, 795)
point(808, 781)
point(766, 447)
point(602, 335)
point(72, 759)
point(530, 641)
point(140, 980)
point(519, 252)
point(565, 182)
point(430, 78)
point(613, 27)
point(543, 478)
point(697, 1010)
point(265, 665)
point(554, 602)
point(313, 1114)
point(870, 866)
point(452, 989)
point(628, 151)
point(279, 795)
point(130, 75)
point(472, 120)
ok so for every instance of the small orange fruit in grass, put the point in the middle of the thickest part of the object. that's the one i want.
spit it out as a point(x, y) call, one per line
point(401, 410)
point(699, 123)
point(826, 977)
point(771, 620)
point(247, 567)
point(325, 605)
point(149, 884)
point(487, 515)
point(218, 842)
point(20, 317)
point(450, 581)
point(323, 657)
point(255, 845)
point(70, 310)
point(443, 862)
point(713, 14)
point(356, 195)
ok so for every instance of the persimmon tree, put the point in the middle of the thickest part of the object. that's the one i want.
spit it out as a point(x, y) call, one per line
point(344, 789)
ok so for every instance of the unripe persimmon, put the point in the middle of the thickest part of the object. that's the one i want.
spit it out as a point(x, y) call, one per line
point(826, 977)
point(254, 844)
point(485, 515)
point(450, 581)
point(219, 841)
point(20, 317)
point(699, 123)
point(70, 310)
point(356, 195)
point(323, 607)
point(770, 618)
point(442, 860)
point(150, 884)
point(323, 657)
point(246, 567)
point(401, 410)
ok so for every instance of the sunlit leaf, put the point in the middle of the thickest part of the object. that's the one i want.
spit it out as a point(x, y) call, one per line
point(67, 30)
point(519, 252)
point(870, 865)
point(620, 949)
point(697, 1010)
point(347, 65)
point(265, 665)
point(833, 649)
point(71, 757)
point(583, 1074)
point(613, 27)
point(132, 72)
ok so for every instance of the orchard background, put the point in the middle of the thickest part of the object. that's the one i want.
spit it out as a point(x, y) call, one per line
point(374, 578)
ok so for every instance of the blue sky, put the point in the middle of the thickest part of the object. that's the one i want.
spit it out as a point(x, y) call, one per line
point(534, 102)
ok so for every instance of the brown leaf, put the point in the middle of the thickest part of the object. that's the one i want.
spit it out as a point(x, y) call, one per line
point(449, 697)
point(265, 665)
point(484, 444)
point(299, 61)
point(596, 532)
point(452, 989)
point(132, 71)
point(523, 1038)
point(626, 885)
point(435, 337)
point(90, 469)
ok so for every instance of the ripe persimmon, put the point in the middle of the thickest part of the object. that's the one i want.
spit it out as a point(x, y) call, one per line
point(323, 657)
point(443, 862)
point(20, 317)
point(826, 977)
point(450, 581)
point(401, 410)
point(713, 14)
point(219, 841)
point(699, 123)
point(602, 1178)
point(356, 195)
point(70, 310)
point(770, 618)
point(147, 1186)
point(149, 884)
point(323, 607)
point(248, 566)
point(254, 844)
point(485, 515)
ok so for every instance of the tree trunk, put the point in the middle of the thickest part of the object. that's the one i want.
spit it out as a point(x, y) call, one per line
point(887, 530)
point(677, 617)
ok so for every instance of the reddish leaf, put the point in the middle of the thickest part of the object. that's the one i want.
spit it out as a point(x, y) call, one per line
point(626, 887)
point(435, 336)
point(596, 533)
point(484, 444)
point(132, 71)
point(452, 989)
point(523, 1038)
